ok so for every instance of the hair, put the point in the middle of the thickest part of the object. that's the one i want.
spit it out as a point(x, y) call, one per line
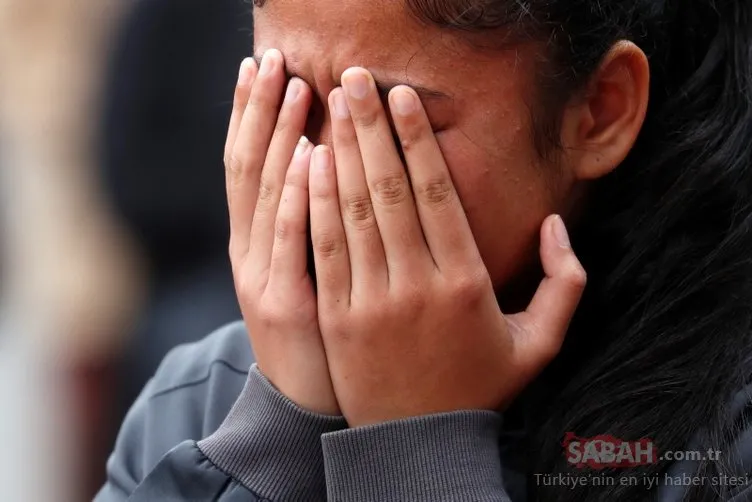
point(663, 336)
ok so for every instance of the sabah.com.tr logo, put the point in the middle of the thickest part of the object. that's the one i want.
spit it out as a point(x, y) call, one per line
point(605, 451)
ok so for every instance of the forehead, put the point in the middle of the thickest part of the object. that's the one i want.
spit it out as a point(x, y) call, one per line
point(321, 39)
point(378, 31)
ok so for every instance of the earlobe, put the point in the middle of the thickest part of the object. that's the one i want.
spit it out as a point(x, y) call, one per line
point(601, 129)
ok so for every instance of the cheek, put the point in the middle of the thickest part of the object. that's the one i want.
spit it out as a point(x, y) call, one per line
point(504, 197)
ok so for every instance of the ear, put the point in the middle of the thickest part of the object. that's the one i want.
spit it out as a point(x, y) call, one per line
point(600, 128)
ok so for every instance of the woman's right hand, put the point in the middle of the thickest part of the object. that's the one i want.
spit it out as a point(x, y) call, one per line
point(267, 193)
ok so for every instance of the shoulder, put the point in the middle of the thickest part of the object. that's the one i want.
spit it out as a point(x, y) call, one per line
point(187, 399)
point(197, 383)
point(225, 350)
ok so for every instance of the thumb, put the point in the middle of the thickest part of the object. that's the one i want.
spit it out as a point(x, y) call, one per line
point(539, 331)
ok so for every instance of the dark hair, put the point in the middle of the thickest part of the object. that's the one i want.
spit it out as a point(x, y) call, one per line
point(663, 337)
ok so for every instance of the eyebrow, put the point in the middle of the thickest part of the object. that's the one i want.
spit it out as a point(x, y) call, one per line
point(386, 85)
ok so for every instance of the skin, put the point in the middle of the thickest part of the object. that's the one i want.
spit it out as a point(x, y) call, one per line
point(393, 47)
point(409, 255)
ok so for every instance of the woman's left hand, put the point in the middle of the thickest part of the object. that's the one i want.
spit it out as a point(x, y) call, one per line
point(407, 310)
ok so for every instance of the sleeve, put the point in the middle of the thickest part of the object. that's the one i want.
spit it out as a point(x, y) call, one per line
point(445, 457)
point(267, 449)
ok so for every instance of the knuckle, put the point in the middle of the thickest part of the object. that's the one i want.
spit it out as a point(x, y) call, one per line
point(435, 193)
point(268, 314)
point(390, 190)
point(328, 246)
point(362, 316)
point(266, 192)
point(275, 311)
point(367, 119)
point(234, 163)
point(470, 288)
point(358, 208)
point(412, 298)
point(246, 290)
point(285, 228)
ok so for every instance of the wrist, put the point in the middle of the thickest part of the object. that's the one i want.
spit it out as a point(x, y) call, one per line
point(302, 376)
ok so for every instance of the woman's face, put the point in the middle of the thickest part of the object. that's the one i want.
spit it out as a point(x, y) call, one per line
point(475, 101)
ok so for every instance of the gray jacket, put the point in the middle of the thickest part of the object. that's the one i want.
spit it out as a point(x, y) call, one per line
point(209, 426)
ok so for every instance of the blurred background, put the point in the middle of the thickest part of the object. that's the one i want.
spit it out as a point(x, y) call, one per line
point(113, 231)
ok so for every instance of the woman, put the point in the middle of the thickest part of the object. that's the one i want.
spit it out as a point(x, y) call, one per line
point(631, 121)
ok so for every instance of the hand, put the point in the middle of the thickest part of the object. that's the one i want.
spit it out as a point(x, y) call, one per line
point(267, 193)
point(407, 309)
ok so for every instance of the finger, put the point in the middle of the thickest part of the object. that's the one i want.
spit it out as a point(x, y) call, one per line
point(546, 320)
point(246, 76)
point(250, 147)
point(442, 217)
point(287, 133)
point(393, 204)
point(365, 248)
point(289, 256)
point(328, 233)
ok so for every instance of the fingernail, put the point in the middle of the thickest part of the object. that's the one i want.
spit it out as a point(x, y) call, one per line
point(357, 84)
point(302, 146)
point(293, 89)
point(267, 62)
point(321, 160)
point(404, 102)
point(341, 109)
point(560, 232)
point(244, 75)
